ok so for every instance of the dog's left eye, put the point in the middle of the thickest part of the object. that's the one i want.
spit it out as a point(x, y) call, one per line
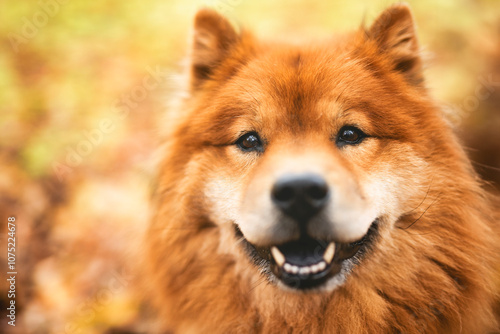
point(250, 142)
point(349, 135)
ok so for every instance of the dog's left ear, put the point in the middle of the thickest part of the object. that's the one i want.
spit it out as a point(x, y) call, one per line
point(394, 32)
point(213, 39)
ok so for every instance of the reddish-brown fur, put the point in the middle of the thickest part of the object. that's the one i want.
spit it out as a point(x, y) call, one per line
point(434, 269)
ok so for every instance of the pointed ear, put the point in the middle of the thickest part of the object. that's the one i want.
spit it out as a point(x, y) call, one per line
point(213, 38)
point(394, 32)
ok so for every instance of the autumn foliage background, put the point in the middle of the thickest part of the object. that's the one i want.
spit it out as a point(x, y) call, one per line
point(84, 86)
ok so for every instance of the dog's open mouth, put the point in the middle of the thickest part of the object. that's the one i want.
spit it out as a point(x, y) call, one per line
point(308, 263)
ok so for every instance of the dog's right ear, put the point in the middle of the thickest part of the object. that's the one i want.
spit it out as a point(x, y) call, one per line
point(213, 39)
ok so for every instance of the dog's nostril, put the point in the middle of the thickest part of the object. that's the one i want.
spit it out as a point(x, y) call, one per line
point(318, 191)
point(283, 194)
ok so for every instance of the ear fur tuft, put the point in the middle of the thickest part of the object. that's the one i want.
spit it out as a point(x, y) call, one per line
point(394, 32)
point(213, 38)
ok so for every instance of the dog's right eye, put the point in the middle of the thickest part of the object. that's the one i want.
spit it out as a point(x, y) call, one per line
point(250, 142)
point(349, 135)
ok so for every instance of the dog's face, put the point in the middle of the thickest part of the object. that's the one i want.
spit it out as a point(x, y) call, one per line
point(306, 152)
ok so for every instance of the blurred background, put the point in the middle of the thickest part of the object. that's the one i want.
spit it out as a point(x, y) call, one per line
point(83, 86)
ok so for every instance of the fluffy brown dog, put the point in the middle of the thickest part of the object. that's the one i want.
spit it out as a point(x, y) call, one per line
point(319, 189)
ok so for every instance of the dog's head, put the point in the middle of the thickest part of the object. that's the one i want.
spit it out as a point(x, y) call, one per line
point(303, 154)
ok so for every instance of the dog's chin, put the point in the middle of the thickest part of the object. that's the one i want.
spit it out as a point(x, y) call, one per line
point(309, 264)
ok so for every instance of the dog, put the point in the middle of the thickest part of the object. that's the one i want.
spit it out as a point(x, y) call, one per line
point(318, 188)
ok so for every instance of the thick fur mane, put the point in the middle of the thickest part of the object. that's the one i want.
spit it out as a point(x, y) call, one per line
point(436, 270)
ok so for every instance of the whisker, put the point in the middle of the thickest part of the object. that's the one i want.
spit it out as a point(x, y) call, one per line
point(423, 213)
point(496, 169)
point(257, 283)
point(425, 197)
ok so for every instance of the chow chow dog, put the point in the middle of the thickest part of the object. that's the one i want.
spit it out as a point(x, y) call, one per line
point(318, 188)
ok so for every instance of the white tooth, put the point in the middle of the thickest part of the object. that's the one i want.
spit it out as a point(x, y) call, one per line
point(278, 257)
point(295, 269)
point(287, 267)
point(314, 268)
point(329, 253)
point(321, 266)
point(304, 271)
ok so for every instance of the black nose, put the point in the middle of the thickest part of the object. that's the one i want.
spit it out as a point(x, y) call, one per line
point(300, 196)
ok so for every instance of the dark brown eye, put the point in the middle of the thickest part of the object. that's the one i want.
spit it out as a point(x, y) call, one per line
point(349, 135)
point(250, 142)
